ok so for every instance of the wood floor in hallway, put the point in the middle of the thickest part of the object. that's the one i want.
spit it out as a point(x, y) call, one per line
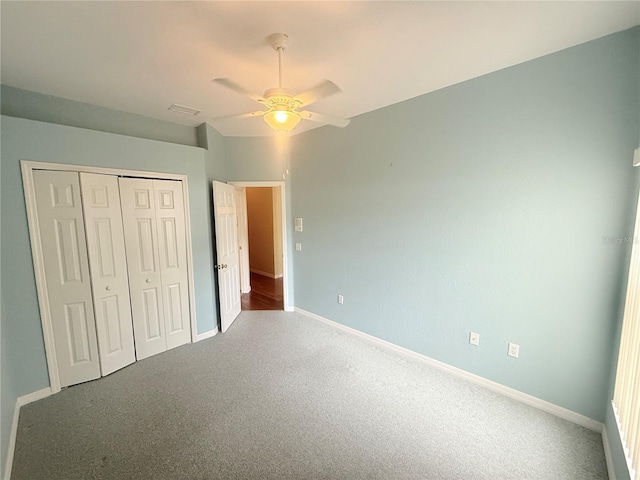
point(266, 294)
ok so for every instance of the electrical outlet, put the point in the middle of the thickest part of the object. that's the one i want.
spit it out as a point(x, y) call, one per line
point(514, 350)
point(298, 247)
point(340, 299)
point(474, 338)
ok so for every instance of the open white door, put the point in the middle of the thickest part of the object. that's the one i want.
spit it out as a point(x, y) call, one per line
point(224, 208)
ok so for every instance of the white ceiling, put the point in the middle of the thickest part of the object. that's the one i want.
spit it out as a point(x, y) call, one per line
point(141, 57)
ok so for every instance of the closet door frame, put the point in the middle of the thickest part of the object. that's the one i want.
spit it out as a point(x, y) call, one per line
point(28, 167)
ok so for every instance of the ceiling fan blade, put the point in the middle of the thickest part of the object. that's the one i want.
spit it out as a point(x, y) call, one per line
point(241, 115)
point(321, 118)
point(225, 82)
point(324, 89)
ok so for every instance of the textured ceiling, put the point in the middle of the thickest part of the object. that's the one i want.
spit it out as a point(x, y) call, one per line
point(141, 57)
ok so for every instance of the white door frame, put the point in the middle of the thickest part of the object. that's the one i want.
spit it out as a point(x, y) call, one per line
point(27, 168)
point(243, 239)
point(288, 307)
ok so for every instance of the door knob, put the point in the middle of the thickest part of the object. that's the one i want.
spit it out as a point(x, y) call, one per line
point(148, 280)
point(108, 287)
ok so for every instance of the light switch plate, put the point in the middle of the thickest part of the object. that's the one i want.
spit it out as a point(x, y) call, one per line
point(298, 224)
point(298, 247)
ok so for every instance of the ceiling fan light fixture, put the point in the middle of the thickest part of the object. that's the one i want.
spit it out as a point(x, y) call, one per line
point(282, 119)
point(282, 104)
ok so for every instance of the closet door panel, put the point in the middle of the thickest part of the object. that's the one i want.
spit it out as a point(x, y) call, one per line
point(140, 231)
point(172, 249)
point(110, 283)
point(64, 251)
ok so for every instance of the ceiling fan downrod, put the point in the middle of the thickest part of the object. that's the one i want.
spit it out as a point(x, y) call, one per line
point(279, 42)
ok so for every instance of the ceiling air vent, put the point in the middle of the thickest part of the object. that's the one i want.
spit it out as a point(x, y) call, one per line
point(186, 110)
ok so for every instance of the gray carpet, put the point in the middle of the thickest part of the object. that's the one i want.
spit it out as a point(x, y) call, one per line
point(283, 396)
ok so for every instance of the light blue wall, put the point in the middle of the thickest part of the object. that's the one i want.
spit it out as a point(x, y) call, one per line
point(257, 158)
point(15, 102)
point(30, 140)
point(482, 207)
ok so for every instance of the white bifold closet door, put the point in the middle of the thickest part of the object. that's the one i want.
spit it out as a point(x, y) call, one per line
point(115, 260)
point(154, 228)
point(108, 265)
point(64, 252)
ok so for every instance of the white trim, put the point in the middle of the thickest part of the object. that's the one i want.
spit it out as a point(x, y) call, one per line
point(205, 335)
point(522, 397)
point(275, 183)
point(20, 402)
point(611, 471)
point(8, 464)
point(625, 450)
point(265, 274)
point(41, 280)
point(34, 396)
point(243, 239)
point(190, 275)
point(288, 302)
point(27, 167)
point(102, 170)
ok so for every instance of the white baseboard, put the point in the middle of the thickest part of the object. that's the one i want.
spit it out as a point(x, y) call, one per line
point(20, 402)
point(209, 334)
point(8, 464)
point(607, 455)
point(522, 397)
point(265, 274)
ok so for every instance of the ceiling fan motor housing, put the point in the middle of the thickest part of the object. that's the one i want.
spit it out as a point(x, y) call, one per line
point(281, 97)
point(278, 40)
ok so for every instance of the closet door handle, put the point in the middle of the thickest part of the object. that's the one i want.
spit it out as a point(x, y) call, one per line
point(108, 288)
point(148, 280)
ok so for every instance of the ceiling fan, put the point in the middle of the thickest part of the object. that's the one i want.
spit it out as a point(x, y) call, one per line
point(282, 104)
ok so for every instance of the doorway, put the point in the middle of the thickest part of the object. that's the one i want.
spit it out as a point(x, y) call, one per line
point(262, 245)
